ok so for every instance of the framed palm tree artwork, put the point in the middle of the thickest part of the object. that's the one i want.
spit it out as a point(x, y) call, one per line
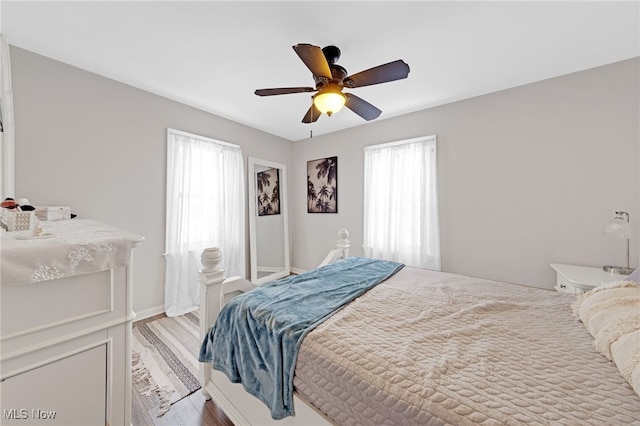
point(268, 192)
point(322, 185)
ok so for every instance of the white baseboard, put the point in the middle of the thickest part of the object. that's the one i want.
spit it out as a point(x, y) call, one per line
point(297, 271)
point(147, 313)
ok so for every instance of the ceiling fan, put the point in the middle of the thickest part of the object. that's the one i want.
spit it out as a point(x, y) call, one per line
point(331, 78)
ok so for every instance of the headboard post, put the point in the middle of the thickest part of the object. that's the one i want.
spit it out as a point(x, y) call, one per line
point(341, 251)
point(343, 242)
point(211, 298)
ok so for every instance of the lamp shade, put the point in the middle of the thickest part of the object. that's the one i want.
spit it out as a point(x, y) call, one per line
point(618, 227)
point(329, 102)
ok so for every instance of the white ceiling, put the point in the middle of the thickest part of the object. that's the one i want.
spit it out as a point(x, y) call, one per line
point(212, 55)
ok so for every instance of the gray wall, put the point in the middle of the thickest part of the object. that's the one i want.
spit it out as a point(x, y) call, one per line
point(99, 146)
point(527, 176)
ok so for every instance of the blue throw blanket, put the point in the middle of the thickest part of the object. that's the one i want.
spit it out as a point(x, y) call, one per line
point(256, 338)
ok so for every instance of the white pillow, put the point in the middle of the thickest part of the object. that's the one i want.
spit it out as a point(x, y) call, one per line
point(611, 313)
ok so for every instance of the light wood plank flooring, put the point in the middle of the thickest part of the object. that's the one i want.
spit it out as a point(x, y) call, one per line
point(193, 410)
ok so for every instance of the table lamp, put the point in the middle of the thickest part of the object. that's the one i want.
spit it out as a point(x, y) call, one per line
point(619, 228)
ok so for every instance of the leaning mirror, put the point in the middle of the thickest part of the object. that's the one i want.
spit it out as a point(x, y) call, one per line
point(6, 123)
point(268, 220)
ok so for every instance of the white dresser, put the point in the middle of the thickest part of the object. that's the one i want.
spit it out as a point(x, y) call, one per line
point(66, 313)
point(576, 279)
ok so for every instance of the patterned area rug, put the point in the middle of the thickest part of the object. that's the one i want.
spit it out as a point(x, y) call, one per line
point(165, 353)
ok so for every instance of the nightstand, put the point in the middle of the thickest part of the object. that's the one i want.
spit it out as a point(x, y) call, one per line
point(575, 279)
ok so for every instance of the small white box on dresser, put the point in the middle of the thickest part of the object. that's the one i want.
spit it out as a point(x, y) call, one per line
point(53, 212)
point(575, 279)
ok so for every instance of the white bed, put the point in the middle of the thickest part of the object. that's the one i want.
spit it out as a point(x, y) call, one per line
point(425, 347)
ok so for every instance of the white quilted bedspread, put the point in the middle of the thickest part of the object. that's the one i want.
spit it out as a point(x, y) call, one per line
point(435, 348)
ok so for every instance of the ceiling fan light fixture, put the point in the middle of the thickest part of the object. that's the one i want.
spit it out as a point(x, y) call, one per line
point(329, 102)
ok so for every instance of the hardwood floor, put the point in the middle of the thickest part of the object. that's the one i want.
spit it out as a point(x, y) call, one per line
point(193, 410)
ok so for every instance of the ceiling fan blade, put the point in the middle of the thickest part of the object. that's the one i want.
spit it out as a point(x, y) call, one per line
point(361, 107)
point(312, 114)
point(395, 70)
point(314, 59)
point(283, 91)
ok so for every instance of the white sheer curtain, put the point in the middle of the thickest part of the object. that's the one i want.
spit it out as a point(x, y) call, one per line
point(401, 203)
point(205, 208)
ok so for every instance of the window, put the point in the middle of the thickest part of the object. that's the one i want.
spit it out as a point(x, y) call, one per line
point(401, 203)
point(205, 208)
